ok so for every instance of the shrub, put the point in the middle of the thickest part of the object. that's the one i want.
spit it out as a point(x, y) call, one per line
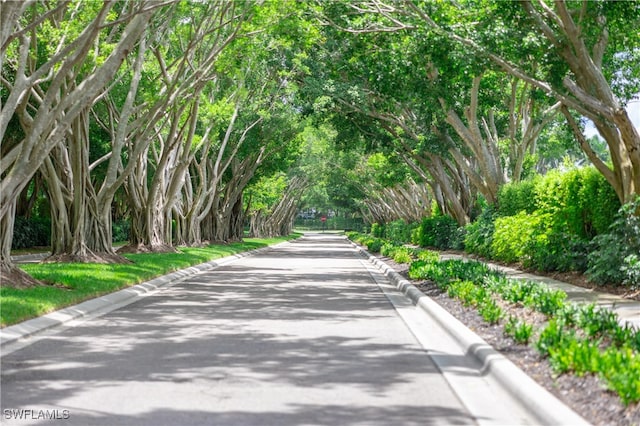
point(353, 235)
point(520, 331)
point(614, 259)
point(552, 248)
point(513, 233)
point(490, 311)
point(631, 271)
point(378, 230)
point(402, 255)
point(399, 231)
point(516, 197)
point(620, 367)
point(374, 244)
point(437, 231)
point(428, 255)
point(479, 234)
point(580, 200)
point(32, 232)
point(553, 335)
point(388, 249)
point(121, 231)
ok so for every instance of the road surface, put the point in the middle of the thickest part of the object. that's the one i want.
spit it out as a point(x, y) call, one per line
point(301, 334)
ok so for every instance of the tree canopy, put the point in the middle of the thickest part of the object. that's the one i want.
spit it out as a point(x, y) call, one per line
point(192, 119)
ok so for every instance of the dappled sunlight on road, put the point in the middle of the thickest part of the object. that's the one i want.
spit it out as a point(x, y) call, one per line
point(290, 336)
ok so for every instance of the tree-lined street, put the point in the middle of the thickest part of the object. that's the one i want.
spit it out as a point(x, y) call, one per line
point(298, 334)
point(144, 140)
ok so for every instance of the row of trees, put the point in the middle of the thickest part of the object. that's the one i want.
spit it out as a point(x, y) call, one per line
point(167, 108)
point(473, 95)
point(184, 117)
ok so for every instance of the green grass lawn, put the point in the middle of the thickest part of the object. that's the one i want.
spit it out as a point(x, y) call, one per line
point(75, 282)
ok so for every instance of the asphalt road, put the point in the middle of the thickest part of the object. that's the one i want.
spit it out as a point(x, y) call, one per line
point(297, 335)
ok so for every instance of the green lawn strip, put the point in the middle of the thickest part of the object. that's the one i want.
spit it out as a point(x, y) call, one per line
point(76, 282)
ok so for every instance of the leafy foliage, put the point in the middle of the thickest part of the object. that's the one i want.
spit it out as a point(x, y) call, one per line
point(32, 232)
point(615, 258)
point(438, 231)
point(479, 234)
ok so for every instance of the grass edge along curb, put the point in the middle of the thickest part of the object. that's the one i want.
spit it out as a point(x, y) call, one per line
point(539, 402)
point(138, 286)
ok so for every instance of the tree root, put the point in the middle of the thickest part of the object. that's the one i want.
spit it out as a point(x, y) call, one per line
point(90, 257)
point(143, 248)
point(14, 277)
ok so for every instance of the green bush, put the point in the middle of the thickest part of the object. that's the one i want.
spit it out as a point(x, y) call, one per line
point(428, 255)
point(599, 202)
point(580, 200)
point(553, 335)
point(353, 235)
point(513, 234)
point(388, 249)
point(121, 231)
point(620, 367)
point(479, 234)
point(537, 242)
point(438, 232)
point(615, 257)
point(402, 255)
point(33, 232)
point(399, 231)
point(378, 230)
point(516, 197)
point(520, 331)
point(490, 311)
point(374, 244)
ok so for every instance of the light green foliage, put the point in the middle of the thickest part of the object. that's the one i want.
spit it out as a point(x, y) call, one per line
point(620, 367)
point(378, 230)
point(388, 249)
point(490, 311)
point(514, 234)
point(546, 223)
point(374, 244)
point(520, 331)
point(516, 197)
point(466, 291)
point(266, 192)
point(580, 201)
point(402, 255)
point(428, 255)
point(553, 335)
point(617, 363)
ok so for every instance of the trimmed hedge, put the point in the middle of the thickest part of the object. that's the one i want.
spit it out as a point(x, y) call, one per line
point(580, 200)
point(438, 231)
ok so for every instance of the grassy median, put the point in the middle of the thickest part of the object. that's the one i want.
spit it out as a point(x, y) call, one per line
point(72, 283)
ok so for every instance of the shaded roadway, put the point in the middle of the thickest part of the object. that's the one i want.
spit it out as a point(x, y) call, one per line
point(298, 334)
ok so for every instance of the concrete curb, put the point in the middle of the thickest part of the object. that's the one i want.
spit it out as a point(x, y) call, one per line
point(540, 403)
point(29, 257)
point(109, 302)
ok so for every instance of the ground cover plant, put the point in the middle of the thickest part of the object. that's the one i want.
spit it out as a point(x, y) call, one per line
point(578, 339)
point(71, 283)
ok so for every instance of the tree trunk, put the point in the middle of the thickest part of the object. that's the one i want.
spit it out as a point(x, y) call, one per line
point(10, 274)
point(79, 232)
